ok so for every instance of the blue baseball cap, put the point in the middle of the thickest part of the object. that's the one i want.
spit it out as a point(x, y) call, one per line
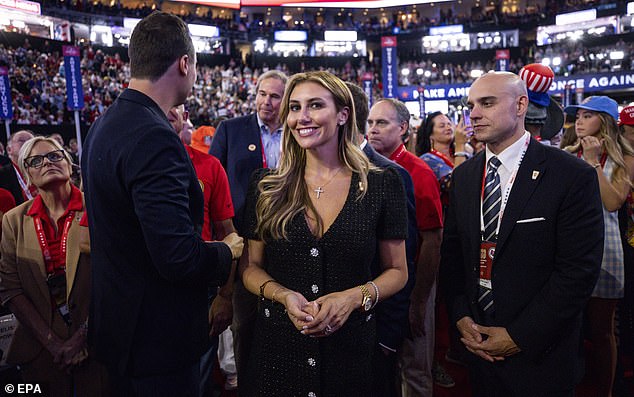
point(601, 104)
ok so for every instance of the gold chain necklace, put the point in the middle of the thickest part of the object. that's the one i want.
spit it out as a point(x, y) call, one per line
point(320, 188)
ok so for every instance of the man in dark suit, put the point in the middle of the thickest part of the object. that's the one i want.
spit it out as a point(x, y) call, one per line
point(529, 217)
point(392, 314)
point(243, 145)
point(150, 268)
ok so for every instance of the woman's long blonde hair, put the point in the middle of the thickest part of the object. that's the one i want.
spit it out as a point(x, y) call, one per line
point(283, 193)
point(614, 145)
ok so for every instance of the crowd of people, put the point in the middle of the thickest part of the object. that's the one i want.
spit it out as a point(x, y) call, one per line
point(322, 235)
point(39, 93)
point(316, 22)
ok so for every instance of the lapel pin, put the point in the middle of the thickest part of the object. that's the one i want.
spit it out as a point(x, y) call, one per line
point(535, 174)
point(251, 148)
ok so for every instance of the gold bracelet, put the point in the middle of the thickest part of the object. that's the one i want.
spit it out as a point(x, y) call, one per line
point(274, 293)
point(597, 165)
point(264, 286)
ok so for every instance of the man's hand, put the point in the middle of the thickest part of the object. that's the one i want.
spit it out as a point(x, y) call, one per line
point(498, 344)
point(220, 314)
point(235, 243)
point(472, 339)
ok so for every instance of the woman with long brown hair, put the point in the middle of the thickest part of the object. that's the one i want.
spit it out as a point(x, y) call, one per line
point(314, 224)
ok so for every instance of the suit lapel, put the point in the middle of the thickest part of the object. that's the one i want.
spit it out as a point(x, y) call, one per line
point(474, 189)
point(528, 177)
point(255, 138)
point(72, 253)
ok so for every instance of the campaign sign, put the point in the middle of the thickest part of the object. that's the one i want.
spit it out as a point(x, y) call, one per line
point(74, 90)
point(6, 107)
point(502, 58)
point(578, 84)
point(421, 101)
point(390, 66)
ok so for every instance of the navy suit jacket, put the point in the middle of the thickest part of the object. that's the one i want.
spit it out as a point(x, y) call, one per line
point(547, 261)
point(392, 314)
point(238, 145)
point(150, 268)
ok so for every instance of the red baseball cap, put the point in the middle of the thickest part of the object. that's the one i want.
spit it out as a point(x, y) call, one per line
point(626, 117)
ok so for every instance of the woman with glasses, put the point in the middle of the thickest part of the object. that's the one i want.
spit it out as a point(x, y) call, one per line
point(45, 281)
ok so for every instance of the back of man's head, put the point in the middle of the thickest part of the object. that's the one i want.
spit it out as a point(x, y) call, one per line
point(360, 100)
point(156, 43)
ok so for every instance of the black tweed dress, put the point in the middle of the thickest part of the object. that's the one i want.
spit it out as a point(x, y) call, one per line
point(283, 361)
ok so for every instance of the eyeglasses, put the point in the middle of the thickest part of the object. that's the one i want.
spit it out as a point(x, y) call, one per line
point(37, 161)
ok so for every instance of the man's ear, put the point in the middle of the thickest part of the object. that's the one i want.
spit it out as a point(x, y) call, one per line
point(522, 105)
point(183, 64)
point(404, 127)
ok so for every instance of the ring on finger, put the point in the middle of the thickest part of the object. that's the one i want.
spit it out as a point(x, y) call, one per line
point(328, 329)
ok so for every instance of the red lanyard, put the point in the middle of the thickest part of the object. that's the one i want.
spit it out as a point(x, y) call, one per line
point(604, 157)
point(264, 164)
point(444, 158)
point(41, 238)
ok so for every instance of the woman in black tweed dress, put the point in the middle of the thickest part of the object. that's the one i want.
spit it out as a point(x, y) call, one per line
point(313, 228)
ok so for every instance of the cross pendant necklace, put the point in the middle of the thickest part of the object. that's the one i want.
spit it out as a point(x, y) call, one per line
point(320, 189)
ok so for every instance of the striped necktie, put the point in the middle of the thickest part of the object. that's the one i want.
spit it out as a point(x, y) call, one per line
point(492, 200)
point(491, 204)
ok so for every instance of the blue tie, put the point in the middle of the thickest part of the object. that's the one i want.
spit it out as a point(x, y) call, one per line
point(491, 204)
point(492, 200)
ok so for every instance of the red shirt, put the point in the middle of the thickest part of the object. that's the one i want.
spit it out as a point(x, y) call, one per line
point(426, 189)
point(6, 200)
point(53, 238)
point(215, 186)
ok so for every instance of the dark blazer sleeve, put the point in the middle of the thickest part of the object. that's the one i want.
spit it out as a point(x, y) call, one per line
point(393, 313)
point(452, 277)
point(218, 147)
point(158, 181)
point(579, 241)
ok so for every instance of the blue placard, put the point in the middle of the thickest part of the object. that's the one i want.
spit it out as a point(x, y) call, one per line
point(434, 92)
point(367, 88)
point(389, 64)
point(6, 107)
point(502, 65)
point(74, 90)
